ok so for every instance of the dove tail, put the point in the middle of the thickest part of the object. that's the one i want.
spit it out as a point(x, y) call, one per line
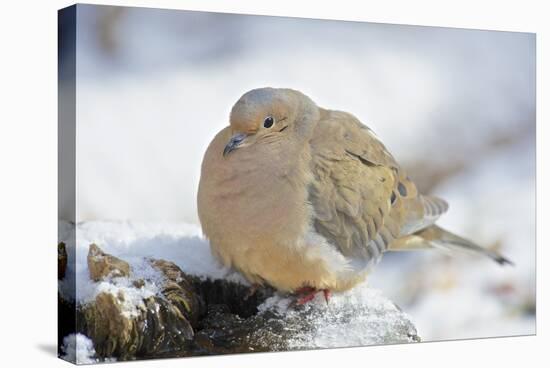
point(434, 206)
point(441, 238)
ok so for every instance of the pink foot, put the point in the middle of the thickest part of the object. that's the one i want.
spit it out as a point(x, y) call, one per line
point(306, 298)
point(308, 293)
point(305, 290)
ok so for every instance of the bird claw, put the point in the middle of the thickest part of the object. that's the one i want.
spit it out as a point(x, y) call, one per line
point(306, 298)
point(327, 294)
point(308, 293)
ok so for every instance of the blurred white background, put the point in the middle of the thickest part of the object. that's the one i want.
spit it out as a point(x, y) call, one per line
point(456, 107)
point(154, 86)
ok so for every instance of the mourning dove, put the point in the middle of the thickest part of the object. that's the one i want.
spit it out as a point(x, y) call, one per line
point(306, 199)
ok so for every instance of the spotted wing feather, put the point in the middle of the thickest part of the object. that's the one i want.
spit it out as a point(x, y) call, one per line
point(362, 199)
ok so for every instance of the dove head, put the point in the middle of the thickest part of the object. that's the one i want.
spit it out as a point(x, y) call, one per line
point(270, 114)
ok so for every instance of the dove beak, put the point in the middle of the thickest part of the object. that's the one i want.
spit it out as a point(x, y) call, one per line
point(234, 143)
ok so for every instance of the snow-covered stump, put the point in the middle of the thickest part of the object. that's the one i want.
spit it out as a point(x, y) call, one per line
point(159, 311)
point(357, 318)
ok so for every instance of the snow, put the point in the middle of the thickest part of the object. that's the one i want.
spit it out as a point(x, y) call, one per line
point(359, 317)
point(78, 349)
point(135, 243)
point(132, 303)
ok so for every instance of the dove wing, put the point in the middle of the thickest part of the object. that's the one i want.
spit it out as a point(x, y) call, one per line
point(362, 199)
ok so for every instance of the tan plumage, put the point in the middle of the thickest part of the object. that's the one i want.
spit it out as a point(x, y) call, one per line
point(312, 199)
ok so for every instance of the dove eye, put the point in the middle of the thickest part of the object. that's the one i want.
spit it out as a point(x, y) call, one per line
point(268, 122)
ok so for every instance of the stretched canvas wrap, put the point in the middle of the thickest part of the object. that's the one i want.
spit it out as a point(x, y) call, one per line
point(238, 183)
